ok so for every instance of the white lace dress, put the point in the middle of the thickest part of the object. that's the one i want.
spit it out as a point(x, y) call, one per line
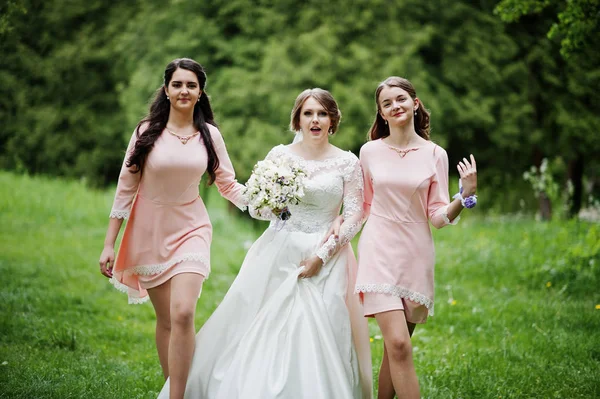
point(277, 336)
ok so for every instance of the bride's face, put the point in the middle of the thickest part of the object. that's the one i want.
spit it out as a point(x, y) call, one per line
point(314, 119)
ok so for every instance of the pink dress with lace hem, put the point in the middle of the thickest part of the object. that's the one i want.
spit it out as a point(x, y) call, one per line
point(396, 255)
point(168, 229)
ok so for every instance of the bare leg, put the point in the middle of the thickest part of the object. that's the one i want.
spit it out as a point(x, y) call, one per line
point(185, 288)
point(161, 300)
point(398, 353)
point(385, 387)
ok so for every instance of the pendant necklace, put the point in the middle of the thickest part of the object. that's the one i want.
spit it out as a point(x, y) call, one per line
point(400, 152)
point(183, 139)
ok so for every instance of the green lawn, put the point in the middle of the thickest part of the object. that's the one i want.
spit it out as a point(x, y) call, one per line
point(517, 306)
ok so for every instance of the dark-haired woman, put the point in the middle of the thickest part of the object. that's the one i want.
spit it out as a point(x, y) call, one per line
point(406, 186)
point(165, 250)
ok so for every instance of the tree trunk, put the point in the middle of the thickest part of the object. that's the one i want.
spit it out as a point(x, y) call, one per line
point(576, 177)
point(545, 207)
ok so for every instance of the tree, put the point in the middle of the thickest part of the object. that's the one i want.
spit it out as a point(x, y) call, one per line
point(565, 87)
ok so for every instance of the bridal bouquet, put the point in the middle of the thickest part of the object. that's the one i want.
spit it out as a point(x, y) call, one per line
point(274, 185)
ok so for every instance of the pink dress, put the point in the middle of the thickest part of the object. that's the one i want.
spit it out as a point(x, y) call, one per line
point(396, 255)
point(168, 229)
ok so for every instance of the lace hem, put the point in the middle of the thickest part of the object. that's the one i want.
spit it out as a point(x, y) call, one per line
point(399, 292)
point(148, 270)
point(447, 220)
point(131, 298)
point(114, 214)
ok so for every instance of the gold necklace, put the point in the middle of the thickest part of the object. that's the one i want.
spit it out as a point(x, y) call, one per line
point(183, 139)
point(400, 152)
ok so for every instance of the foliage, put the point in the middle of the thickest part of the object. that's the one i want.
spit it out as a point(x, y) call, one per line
point(577, 25)
point(71, 95)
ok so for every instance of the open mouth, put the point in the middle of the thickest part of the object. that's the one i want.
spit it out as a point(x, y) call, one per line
point(315, 129)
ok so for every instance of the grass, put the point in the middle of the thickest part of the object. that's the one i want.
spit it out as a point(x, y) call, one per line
point(516, 303)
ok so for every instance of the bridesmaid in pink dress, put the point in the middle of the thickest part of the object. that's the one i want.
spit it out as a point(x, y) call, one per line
point(165, 250)
point(406, 186)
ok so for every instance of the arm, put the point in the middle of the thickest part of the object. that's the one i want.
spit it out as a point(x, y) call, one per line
point(127, 188)
point(368, 198)
point(107, 257)
point(127, 185)
point(225, 180)
point(468, 178)
point(353, 215)
point(368, 182)
point(333, 229)
point(441, 211)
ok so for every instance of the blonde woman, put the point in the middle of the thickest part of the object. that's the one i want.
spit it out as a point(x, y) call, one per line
point(290, 325)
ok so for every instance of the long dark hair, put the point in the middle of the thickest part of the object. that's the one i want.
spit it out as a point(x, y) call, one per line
point(380, 129)
point(157, 119)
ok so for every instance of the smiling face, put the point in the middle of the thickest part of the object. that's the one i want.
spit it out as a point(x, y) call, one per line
point(183, 90)
point(396, 106)
point(314, 119)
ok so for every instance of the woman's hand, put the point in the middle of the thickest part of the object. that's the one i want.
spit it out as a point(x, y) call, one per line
point(334, 230)
point(468, 176)
point(312, 266)
point(107, 261)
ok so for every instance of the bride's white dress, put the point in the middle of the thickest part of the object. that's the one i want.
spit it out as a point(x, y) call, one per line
point(277, 336)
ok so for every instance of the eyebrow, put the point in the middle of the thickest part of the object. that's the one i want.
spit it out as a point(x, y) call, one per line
point(177, 81)
point(391, 98)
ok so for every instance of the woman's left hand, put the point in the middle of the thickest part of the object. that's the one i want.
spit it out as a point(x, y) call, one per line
point(312, 266)
point(333, 230)
point(468, 176)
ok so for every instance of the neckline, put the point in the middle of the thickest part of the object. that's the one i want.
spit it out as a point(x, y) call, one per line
point(414, 148)
point(292, 153)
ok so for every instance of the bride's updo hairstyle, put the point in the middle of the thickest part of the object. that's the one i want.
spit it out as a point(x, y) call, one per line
point(325, 99)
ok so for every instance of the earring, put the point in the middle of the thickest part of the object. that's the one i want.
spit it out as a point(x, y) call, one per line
point(167, 97)
point(385, 121)
point(330, 132)
point(416, 111)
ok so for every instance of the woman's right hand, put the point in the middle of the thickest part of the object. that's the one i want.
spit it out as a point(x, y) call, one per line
point(107, 261)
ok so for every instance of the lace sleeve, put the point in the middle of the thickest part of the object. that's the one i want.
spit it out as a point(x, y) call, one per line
point(263, 214)
point(352, 211)
point(128, 184)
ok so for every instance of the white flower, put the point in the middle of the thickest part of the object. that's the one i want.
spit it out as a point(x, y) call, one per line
point(274, 185)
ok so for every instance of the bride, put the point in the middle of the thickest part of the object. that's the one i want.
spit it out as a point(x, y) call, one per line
point(290, 325)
